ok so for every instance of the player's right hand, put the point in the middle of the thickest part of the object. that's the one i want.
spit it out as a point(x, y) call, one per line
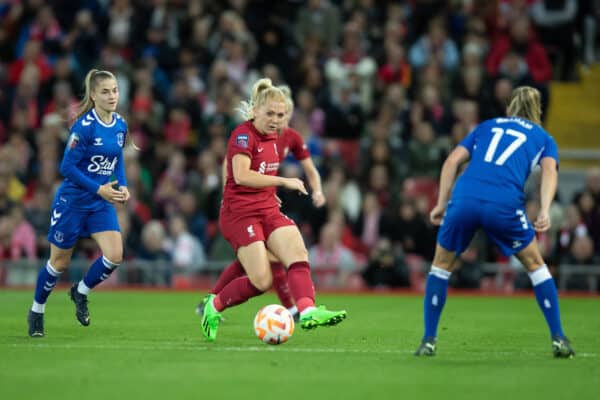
point(295, 184)
point(542, 222)
point(108, 193)
point(436, 215)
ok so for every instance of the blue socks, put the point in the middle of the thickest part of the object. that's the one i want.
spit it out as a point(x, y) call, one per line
point(547, 299)
point(436, 291)
point(46, 281)
point(98, 272)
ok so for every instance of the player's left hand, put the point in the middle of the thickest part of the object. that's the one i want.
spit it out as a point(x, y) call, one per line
point(436, 215)
point(318, 199)
point(125, 192)
point(542, 222)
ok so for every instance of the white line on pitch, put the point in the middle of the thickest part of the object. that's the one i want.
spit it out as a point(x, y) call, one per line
point(249, 349)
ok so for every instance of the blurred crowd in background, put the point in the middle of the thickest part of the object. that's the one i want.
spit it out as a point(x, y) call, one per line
point(383, 90)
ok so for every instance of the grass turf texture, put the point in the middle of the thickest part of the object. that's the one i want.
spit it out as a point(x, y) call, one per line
point(148, 345)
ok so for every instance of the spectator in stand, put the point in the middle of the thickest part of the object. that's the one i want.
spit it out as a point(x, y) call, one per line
point(83, 41)
point(153, 248)
point(582, 253)
point(406, 228)
point(385, 269)
point(204, 181)
point(573, 227)
point(367, 226)
point(519, 53)
point(23, 240)
point(330, 253)
point(32, 56)
point(186, 250)
point(435, 47)
point(318, 18)
point(502, 89)
point(425, 152)
point(555, 23)
point(590, 213)
point(396, 69)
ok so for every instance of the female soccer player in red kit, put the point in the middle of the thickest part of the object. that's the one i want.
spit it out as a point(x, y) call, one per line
point(250, 218)
point(289, 140)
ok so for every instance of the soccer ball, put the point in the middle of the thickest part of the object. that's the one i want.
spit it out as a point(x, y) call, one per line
point(274, 324)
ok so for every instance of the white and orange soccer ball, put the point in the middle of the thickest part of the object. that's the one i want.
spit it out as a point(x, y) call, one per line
point(274, 324)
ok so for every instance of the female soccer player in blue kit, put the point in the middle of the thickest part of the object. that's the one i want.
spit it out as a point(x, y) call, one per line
point(83, 205)
point(489, 195)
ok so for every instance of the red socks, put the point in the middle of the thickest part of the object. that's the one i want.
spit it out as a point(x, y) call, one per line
point(233, 288)
point(280, 284)
point(301, 285)
point(232, 271)
point(236, 292)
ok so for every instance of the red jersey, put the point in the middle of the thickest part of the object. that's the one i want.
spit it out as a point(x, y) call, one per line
point(264, 156)
point(290, 140)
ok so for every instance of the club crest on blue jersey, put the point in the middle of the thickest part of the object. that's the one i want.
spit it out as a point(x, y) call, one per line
point(59, 236)
point(120, 139)
point(242, 140)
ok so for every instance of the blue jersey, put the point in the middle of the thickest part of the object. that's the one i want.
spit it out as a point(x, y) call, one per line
point(93, 155)
point(503, 153)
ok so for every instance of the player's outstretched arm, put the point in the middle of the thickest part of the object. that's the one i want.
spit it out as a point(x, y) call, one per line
point(548, 184)
point(243, 175)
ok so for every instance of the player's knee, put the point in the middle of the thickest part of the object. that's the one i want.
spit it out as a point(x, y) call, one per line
point(60, 262)
point(298, 253)
point(114, 256)
point(532, 262)
point(263, 282)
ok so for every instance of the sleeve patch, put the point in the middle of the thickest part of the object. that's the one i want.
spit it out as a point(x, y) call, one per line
point(242, 140)
point(73, 141)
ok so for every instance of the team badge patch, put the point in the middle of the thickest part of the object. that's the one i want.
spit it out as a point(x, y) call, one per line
point(73, 141)
point(242, 140)
point(120, 139)
point(59, 237)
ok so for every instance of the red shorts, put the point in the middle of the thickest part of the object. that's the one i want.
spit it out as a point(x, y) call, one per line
point(243, 229)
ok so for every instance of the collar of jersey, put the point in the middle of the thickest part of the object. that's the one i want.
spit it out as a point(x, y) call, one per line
point(114, 121)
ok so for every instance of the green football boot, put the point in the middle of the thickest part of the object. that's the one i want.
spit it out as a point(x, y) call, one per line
point(210, 319)
point(321, 317)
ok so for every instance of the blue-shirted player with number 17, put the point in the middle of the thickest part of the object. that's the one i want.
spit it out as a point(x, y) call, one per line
point(83, 205)
point(489, 195)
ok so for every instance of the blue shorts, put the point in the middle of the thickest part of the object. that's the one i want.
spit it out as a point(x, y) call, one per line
point(67, 225)
point(508, 227)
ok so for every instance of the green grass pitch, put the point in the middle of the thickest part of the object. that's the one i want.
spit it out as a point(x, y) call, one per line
point(148, 345)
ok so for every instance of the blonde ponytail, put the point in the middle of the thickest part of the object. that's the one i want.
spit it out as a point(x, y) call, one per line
point(91, 80)
point(262, 91)
point(525, 102)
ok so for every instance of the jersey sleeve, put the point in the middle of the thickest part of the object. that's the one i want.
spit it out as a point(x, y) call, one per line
point(297, 146)
point(74, 152)
point(550, 149)
point(469, 141)
point(241, 142)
